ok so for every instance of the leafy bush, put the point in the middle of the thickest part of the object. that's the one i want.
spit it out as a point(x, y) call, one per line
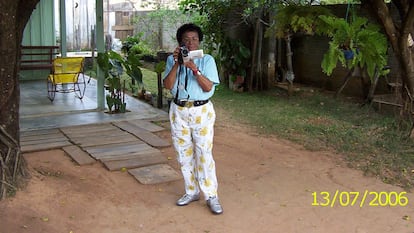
point(135, 45)
point(113, 66)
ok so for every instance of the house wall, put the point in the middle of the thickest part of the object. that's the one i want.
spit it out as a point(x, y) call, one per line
point(40, 30)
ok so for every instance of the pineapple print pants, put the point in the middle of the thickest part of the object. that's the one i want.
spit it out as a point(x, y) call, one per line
point(192, 130)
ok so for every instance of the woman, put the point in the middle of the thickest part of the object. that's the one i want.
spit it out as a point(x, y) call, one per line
point(192, 82)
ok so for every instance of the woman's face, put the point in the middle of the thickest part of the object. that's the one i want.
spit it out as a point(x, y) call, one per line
point(191, 40)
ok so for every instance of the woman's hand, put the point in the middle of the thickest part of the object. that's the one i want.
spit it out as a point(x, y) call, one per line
point(190, 64)
point(176, 53)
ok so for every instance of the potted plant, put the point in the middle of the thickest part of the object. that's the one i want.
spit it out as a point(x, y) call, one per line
point(357, 45)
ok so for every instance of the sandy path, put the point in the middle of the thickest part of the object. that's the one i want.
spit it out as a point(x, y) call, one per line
point(265, 185)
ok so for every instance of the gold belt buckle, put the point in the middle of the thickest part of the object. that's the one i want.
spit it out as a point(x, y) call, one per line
point(189, 104)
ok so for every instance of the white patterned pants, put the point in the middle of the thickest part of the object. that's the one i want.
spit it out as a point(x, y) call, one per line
point(192, 130)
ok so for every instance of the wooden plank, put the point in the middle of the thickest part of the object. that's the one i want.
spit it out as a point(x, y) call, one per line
point(77, 154)
point(149, 159)
point(88, 128)
point(388, 103)
point(41, 136)
point(38, 132)
point(121, 150)
point(122, 28)
point(144, 135)
point(155, 174)
point(94, 131)
point(93, 134)
point(113, 154)
point(147, 125)
point(116, 156)
point(44, 141)
point(98, 138)
point(108, 140)
point(130, 156)
point(114, 147)
point(41, 147)
point(112, 157)
point(87, 133)
point(100, 148)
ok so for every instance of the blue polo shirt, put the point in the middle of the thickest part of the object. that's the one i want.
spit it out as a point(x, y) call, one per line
point(207, 67)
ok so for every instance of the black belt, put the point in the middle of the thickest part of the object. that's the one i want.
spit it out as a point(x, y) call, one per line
point(190, 103)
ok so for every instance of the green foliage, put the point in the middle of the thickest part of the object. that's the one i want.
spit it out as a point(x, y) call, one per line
point(331, 2)
point(365, 41)
point(214, 15)
point(149, 81)
point(231, 54)
point(135, 45)
point(234, 57)
point(149, 24)
point(160, 67)
point(113, 65)
point(296, 18)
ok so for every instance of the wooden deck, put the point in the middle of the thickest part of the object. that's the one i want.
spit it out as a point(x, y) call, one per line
point(130, 145)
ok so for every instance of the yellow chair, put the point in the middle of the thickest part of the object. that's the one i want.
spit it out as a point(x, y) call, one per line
point(67, 76)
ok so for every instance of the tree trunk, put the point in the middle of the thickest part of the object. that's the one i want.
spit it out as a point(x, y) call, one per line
point(254, 62)
point(398, 32)
point(13, 18)
point(399, 38)
point(290, 75)
point(271, 58)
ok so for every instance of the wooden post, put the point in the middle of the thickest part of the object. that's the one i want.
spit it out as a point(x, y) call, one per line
point(159, 98)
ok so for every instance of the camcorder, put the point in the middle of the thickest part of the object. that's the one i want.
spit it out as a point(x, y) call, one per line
point(183, 56)
point(186, 55)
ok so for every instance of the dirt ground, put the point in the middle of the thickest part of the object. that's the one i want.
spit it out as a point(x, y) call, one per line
point(266, 184)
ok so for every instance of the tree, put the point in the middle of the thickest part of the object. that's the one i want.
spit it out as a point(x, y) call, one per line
point(399, 30)
point(291, 19)
point(14, 15)
point(224, 20)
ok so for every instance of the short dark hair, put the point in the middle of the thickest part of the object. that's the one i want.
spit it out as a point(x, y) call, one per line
point(188, 27)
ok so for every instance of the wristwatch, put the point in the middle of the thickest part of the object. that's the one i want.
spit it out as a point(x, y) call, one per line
point(196, 72)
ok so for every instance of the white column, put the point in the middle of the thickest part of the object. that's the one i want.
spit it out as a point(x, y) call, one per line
point(100, 45)
point(62, 14)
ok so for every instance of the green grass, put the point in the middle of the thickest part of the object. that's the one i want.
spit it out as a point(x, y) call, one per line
point(149, 80)
point(367, 140)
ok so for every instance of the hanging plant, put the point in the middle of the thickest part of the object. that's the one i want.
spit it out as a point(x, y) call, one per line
point(356, 43)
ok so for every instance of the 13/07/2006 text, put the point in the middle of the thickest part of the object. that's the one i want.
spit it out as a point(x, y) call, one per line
point(353, 198)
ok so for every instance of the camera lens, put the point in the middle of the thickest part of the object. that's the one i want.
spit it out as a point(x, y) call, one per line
point(184, 51)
